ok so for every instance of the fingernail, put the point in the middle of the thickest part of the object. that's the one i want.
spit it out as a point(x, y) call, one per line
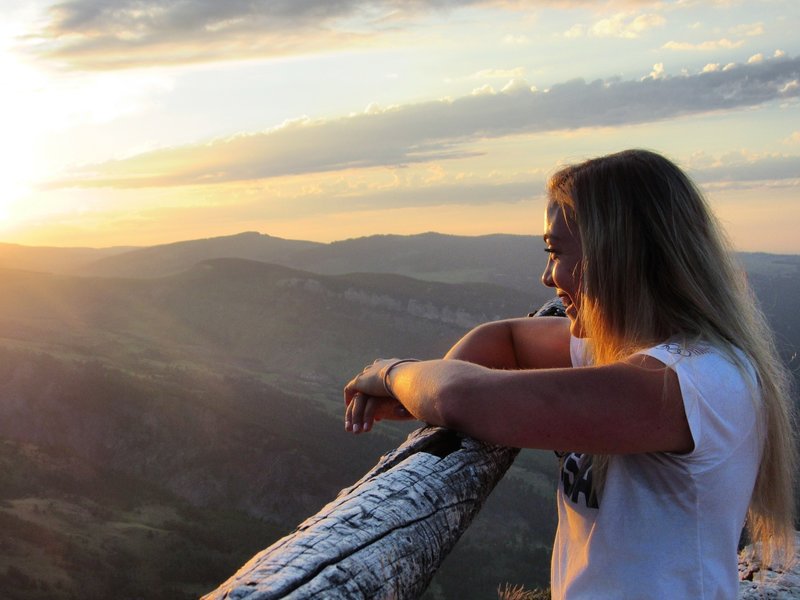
point(355, 428)
point(366, 426)
point(348, 425)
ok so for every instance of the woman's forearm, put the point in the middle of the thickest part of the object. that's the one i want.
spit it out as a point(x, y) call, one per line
point(627, 407)
point(430, 390)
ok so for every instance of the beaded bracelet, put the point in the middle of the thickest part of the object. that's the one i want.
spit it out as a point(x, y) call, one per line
point(388, 369)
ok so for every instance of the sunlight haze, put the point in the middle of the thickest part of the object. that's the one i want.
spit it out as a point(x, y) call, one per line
point(130, 123)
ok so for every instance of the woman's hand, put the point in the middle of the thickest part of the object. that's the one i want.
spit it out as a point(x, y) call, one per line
point(367, 400)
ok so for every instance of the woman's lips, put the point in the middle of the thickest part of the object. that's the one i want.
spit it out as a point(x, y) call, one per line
point(569, 307)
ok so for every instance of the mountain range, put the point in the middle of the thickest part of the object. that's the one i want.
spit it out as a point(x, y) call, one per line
point(167, 411)
point(502, 259)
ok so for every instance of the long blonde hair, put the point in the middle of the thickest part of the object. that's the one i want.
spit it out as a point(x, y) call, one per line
point(657, 266)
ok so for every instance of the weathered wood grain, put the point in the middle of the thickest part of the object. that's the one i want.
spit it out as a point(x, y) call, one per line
point(385, 536)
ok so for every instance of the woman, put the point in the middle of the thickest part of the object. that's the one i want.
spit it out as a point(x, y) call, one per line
point(662, 391)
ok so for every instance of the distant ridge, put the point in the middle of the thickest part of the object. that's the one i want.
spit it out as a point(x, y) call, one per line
point(507, 260)
point(168, 259)
point(502, 259)
point(512, 261)
point(52, 259)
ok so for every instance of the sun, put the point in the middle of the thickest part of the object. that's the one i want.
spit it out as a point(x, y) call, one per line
point(16, 156)
point(21, 125)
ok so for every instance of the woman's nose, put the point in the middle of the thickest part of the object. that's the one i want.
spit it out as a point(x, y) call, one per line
point(547, 276)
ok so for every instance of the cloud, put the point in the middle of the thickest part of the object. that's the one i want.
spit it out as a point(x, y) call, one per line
point(516, 40)
point(120, 34)
point(794, 138)
point(516, 72)
point(723, 43)
point(739, 167)
point(517, 85)
point(748, 29)
point(657, 72)
point(484, 74)
point(97, 35)
point(484, 90)
point(439, 130)
point(791, 88)
point(624, 25)
point(473, 194)
point(575, 31)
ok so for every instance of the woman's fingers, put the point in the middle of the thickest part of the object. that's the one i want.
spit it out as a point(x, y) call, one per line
point(365, 399)
point(367, 382)
point(362, 412)
point(369, 414)
point(354, 415)
point(348, 414)
point(350, 391)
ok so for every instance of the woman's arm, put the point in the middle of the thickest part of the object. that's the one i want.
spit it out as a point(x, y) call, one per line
point(526, 343)
point(626, 407)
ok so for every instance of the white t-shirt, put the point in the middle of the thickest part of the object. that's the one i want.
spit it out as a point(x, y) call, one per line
point(667, 525)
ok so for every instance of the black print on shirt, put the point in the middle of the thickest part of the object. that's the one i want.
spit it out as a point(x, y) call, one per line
point(576, 478)
point(676, 349)
point(679, 350)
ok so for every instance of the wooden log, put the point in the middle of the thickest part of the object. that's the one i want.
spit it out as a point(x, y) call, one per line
point(385, 536)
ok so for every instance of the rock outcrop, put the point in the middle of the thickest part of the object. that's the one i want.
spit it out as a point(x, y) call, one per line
point(773, 584)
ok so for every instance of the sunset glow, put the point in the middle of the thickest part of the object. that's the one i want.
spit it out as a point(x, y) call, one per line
point(131, 123)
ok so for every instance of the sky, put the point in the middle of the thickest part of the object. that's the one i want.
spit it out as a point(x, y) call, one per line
point(138, 122)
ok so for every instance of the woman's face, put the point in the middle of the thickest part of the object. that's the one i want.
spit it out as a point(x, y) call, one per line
point(564, 262)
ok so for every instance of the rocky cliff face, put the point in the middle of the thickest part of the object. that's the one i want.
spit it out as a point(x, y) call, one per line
point(759, 584)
